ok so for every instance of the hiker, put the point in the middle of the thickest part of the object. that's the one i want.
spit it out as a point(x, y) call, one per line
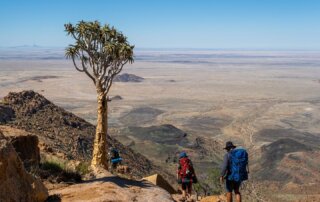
point(114, 157)
point(186, 176)
point(234, 170)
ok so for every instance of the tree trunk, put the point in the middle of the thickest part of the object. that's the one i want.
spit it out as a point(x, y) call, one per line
point(99, 156)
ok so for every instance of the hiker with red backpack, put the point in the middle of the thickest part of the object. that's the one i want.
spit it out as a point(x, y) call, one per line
point(234, 170)
point(186, 176)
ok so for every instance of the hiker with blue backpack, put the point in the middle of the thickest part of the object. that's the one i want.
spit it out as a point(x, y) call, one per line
point(114, 158)
point(234, 170)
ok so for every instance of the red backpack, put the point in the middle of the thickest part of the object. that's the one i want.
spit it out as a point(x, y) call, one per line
point(186, 169)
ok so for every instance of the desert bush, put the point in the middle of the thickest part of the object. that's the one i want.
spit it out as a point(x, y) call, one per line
point(52, 166)
point(208, 183)
point(57, 172)
point(83, 168)
point(4, 102)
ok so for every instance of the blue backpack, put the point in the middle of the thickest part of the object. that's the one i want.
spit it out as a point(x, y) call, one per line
point(238, 161)
point(115, 156)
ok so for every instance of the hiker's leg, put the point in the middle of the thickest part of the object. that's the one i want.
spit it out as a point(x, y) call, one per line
point(184, 187)
point(184, 195)
point(190, 191)
point(229, 188)
point(229, 196)
point(113, 167)
point(238, 196)
point(237, 191)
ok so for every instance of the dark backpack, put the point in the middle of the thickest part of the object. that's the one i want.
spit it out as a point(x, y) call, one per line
point(186, 168)
point(238, 161)
point(114, 153)
point(115, 156)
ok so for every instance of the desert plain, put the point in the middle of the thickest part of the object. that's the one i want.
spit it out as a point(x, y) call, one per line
point(265, 101)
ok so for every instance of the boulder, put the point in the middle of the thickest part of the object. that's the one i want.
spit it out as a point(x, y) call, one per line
point(27, 148)
point(15, 183)
point(160, 182)
point(6, 114)
point(25, 144)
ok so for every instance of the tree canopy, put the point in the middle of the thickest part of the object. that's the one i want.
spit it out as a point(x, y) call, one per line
point(99, 51)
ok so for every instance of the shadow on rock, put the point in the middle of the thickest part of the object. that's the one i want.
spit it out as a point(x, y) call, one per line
point(121, 182)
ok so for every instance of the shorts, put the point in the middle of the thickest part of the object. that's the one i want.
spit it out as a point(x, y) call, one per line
point(186, 184)
point(232, 185)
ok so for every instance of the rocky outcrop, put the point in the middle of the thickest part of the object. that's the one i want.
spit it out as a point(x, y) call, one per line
point(27, 148)
point(6, 113)
point(158, 180)
point(112, 188)
point(128, 78)
point(59, 130)
point(15, 183)
point(27, 104)
point(117, 97)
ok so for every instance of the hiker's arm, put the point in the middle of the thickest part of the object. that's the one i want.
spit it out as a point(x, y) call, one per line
point(178, 170)
point(224, 166)
point(248, 168)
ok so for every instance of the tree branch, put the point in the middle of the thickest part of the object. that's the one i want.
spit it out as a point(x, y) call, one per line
point(75, 65)
point(85, 69)
point(106, 63)
point(74, 36)
point(121, 66)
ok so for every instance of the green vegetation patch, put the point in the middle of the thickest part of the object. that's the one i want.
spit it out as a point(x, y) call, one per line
point(57, 172)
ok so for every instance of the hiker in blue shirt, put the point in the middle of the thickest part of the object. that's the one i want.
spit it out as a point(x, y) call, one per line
point(234, 170)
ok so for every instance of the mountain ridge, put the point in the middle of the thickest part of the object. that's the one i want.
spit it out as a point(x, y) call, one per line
point(67, 134)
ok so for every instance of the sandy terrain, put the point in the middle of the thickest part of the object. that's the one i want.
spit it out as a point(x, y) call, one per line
point(249, 87)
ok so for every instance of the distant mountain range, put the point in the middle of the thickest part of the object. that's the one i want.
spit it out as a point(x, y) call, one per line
point(31, 53)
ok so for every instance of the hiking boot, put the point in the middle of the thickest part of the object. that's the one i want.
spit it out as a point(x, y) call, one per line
point(190, 200)
point(183, 199)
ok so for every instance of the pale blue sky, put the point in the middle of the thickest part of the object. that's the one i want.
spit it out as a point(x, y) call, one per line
point(216, 24)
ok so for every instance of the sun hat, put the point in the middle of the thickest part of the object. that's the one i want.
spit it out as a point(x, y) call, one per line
point(182, 155)
point(229, 145)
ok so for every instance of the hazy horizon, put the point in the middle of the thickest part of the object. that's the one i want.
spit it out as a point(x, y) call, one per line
point(295, 58)
point(170, 48)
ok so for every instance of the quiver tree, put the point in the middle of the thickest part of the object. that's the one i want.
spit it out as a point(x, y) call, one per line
point(100, 52)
